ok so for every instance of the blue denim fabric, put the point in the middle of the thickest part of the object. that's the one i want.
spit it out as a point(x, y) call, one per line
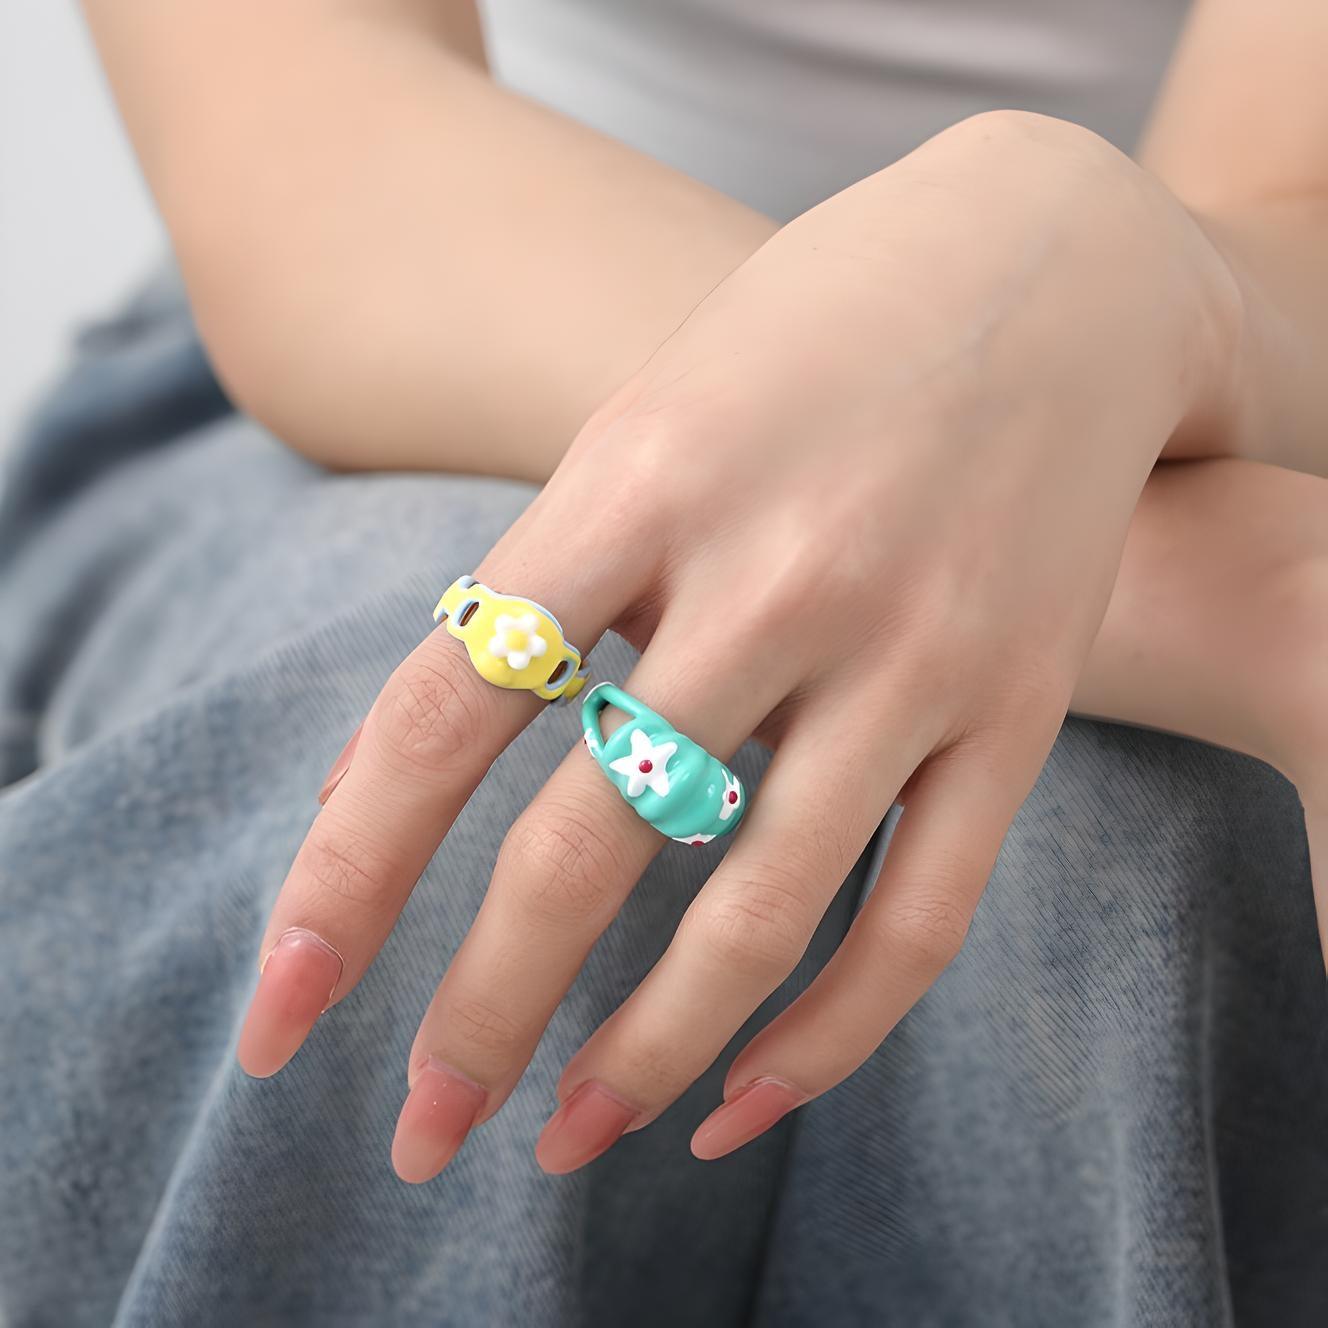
point(1112, 1109)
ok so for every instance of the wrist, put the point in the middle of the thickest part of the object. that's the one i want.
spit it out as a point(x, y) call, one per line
point(1117, 263)
point(1213, 366)
point(1274, 250)
point(1190, 294)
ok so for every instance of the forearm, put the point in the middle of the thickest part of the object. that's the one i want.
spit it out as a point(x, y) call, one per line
point(394, 262)
point(1217, 620)
point(1218, 624)
point(1278, 401)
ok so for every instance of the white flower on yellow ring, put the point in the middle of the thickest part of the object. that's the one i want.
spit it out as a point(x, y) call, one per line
point(517, 640)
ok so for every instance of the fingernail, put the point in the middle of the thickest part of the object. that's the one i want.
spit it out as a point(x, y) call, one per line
point(297, 980)
point(435, 1119)
point(339, 767)
point(589, 1123)
point(749, 1112)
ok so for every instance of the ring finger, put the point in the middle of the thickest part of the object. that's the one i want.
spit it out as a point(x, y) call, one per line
point(907, 932)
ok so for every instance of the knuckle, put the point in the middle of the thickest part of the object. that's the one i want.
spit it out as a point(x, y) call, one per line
point(429, 709)
point(654, 1069)
point(758, 926)
point(775, 605)
point(1000, 120)
point(659, 498)
point(655, 432)
point(1007, 124)
point(649, 455)
point(1038, 682)
point(561, 865)
point(927, 931)
point(642, 439)
point(481, 1027)
point(344, 868)
point(1024, 697)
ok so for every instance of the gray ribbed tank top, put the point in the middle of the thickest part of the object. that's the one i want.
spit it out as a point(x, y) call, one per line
point(783, 102)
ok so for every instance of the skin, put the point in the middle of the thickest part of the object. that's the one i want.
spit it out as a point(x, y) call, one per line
point(1218, 625)
point(568, 257)
point(992, 343)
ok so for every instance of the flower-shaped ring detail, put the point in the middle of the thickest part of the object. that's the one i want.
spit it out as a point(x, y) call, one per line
point(666, 778)
point(512, 642)
point(516, 640)
point(646, 766)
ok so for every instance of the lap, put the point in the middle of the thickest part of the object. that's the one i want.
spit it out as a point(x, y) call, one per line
point(185, 729)
point(1107, 1110)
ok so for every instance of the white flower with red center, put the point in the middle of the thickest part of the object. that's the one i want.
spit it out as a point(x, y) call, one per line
point(646, 767)
point(517, 640)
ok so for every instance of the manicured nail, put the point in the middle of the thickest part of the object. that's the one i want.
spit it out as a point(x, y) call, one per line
point(749, 1112)
point(434, 1122)
point(298, 978)
point(339, 767)
point(589, 1123)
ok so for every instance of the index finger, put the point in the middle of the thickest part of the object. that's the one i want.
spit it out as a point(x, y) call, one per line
point(428, 740)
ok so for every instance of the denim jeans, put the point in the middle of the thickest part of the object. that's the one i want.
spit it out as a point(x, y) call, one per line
point(1112, 1108)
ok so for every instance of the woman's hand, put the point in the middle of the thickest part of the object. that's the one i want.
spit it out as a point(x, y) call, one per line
point(868, 502)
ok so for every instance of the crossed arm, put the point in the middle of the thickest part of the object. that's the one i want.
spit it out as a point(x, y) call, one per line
point(382, 244)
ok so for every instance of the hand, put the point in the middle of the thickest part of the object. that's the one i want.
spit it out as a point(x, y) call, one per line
point(868, 503)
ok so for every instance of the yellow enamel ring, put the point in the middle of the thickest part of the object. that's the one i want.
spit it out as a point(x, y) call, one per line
point(512, 642)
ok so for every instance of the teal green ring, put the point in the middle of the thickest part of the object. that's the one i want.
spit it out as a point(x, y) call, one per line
point(666, 778)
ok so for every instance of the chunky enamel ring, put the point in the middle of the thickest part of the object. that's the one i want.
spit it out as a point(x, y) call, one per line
point(512, 642)
point(668, 780)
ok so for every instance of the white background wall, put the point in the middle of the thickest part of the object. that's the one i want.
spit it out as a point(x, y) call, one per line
point(76, 223)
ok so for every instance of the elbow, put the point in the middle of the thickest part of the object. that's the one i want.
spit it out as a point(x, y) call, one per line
point(229, 324)
point(225, 328)
point(244, 313)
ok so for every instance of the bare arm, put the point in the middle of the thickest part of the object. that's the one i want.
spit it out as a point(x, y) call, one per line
point(1240, 134)
point(394, 262)
point(397, 264)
